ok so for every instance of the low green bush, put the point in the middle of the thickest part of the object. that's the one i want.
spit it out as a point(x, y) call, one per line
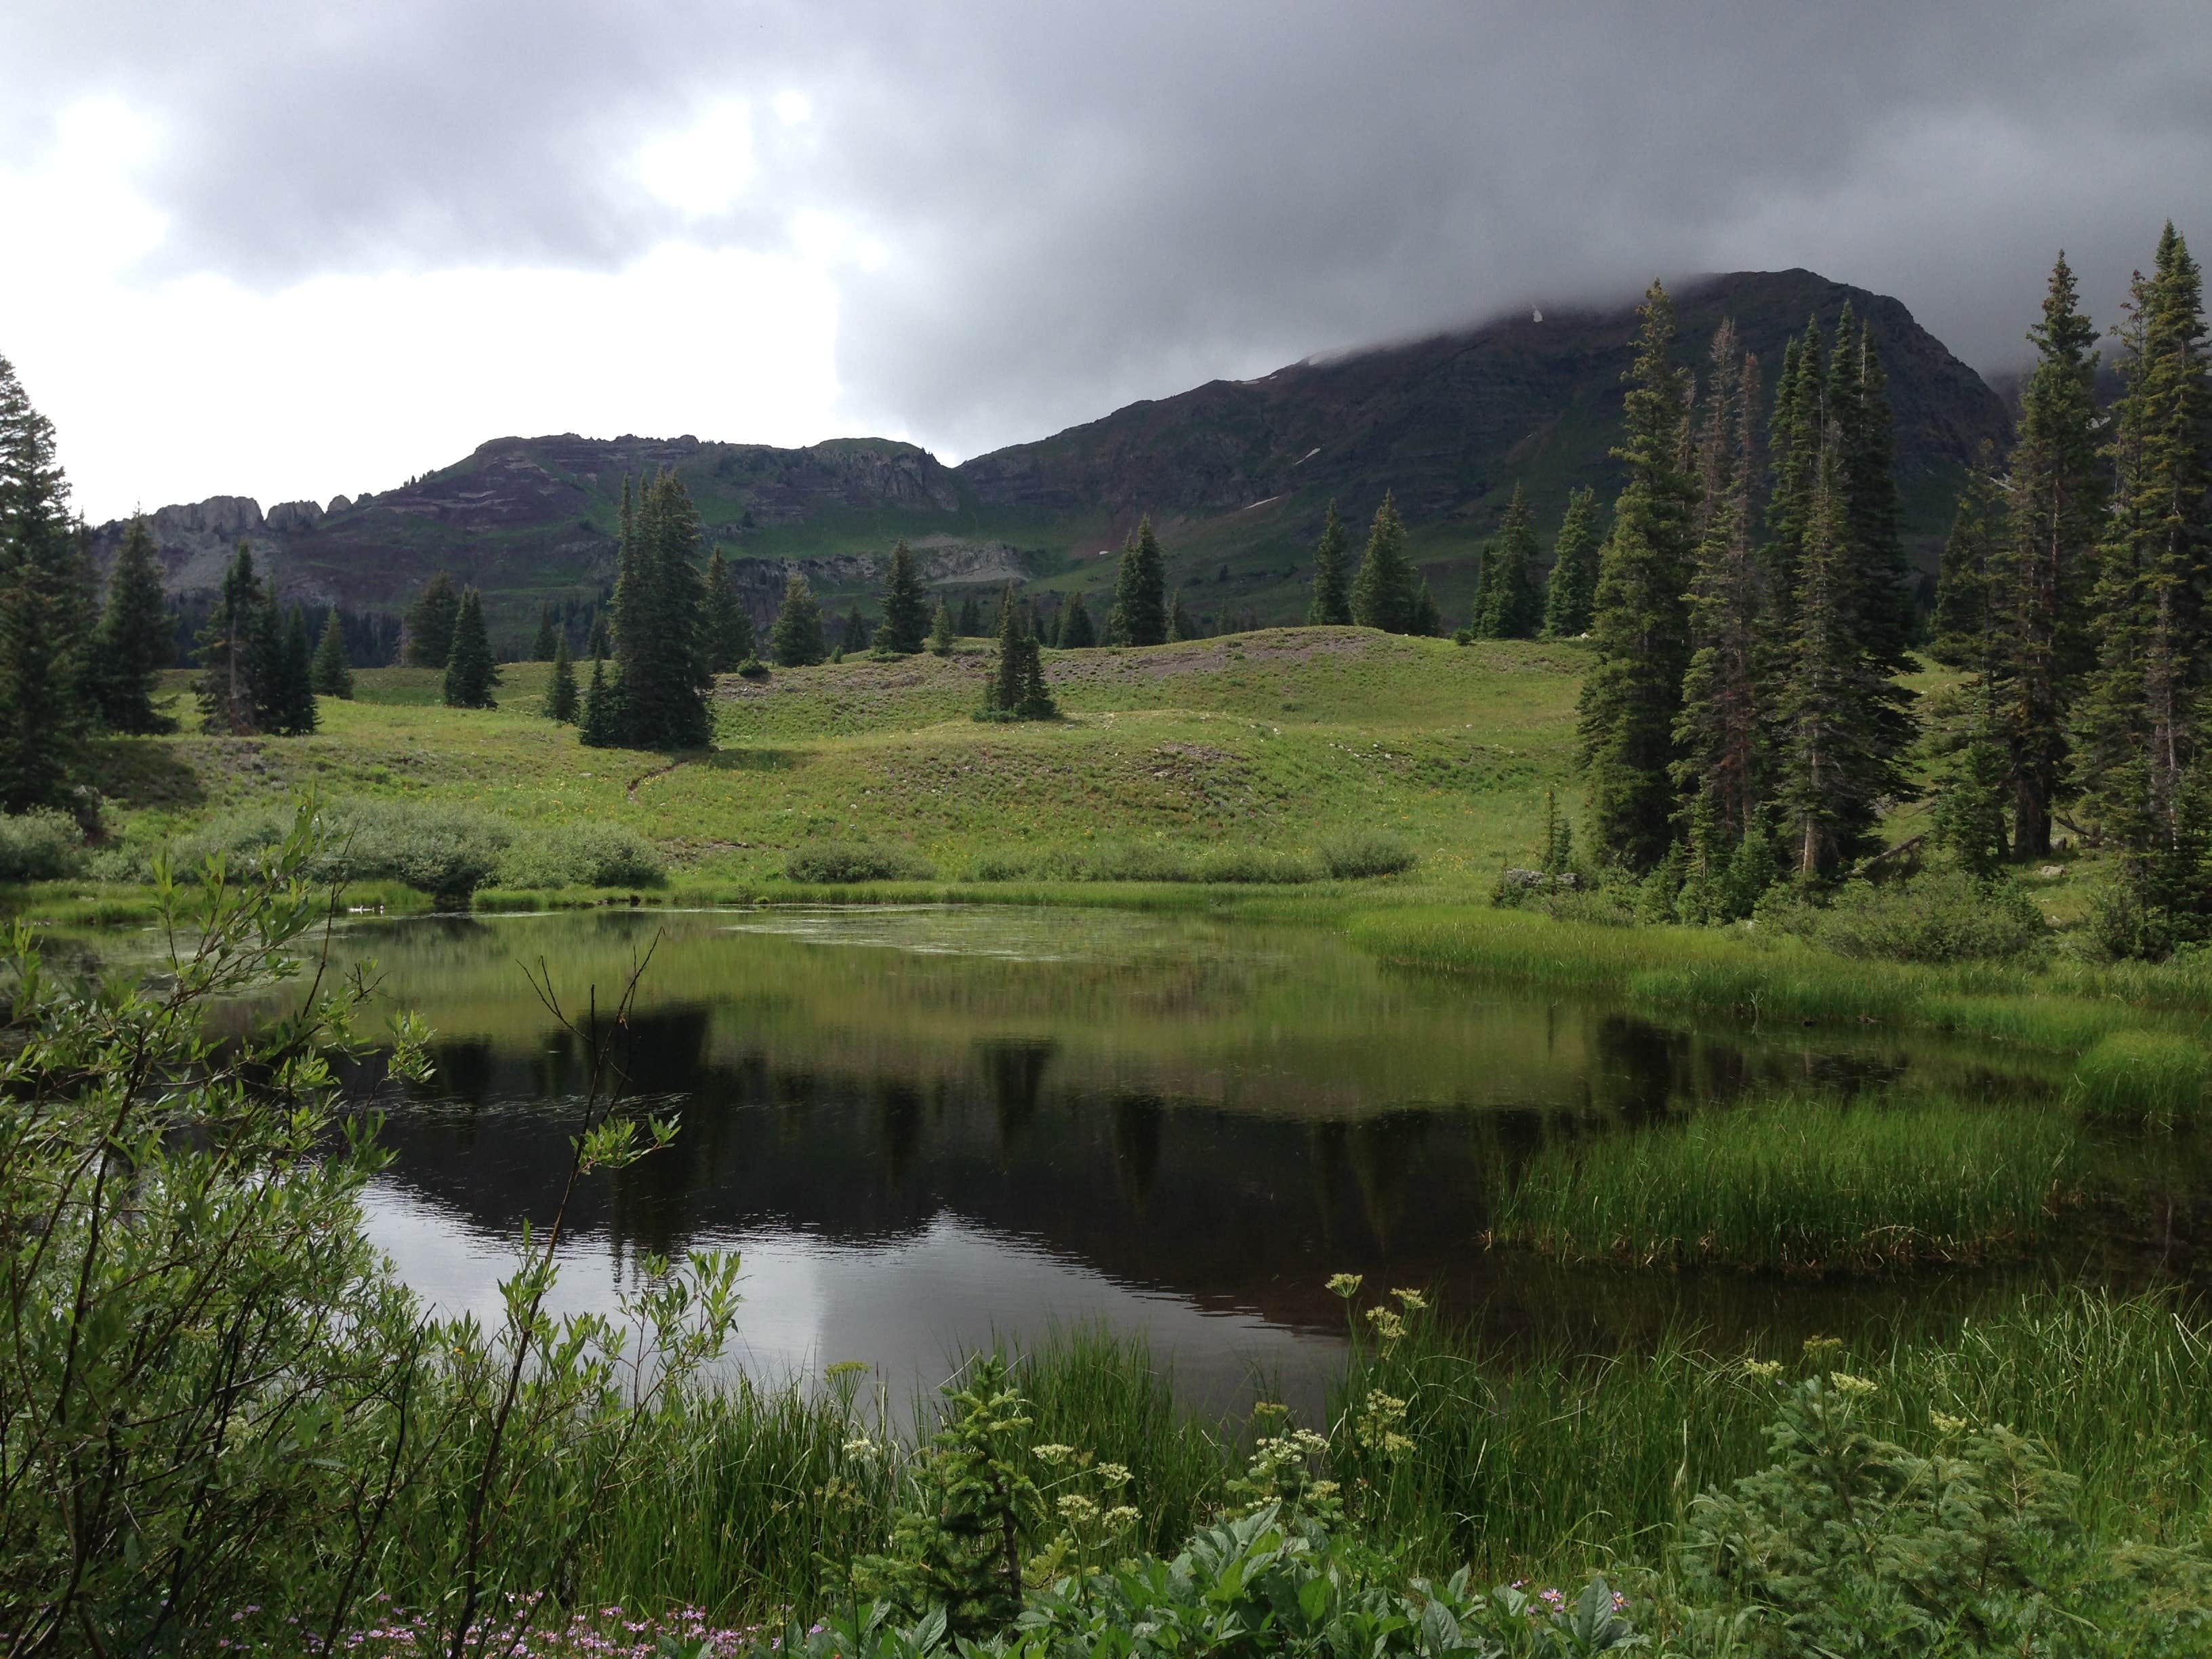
point(583, 855)
point(1147, 861)
point(839, 863)
point(40, 845)
point(1366, 853)
point(2151, 1078)
point(1940, 915)
point(1258, 866)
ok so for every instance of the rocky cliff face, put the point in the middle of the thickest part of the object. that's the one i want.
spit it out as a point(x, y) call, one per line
point(1240, 470)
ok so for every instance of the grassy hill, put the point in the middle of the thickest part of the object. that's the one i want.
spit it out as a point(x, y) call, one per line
point(1276, 741)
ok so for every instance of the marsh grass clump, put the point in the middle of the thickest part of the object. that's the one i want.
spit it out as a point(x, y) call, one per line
point(1148, 861)
point(1363, 854)
point(837, 863)
point(1800, 1185)
point(2155, 1078)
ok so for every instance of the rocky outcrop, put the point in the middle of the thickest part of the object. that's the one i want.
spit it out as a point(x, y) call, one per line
point(287, 517)
point(218, 515)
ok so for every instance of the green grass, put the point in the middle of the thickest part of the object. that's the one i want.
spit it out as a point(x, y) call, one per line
point(2146, 1078)
point(1800, 1185)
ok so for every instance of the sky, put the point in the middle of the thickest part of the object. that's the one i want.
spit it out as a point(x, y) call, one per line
point(292, 250)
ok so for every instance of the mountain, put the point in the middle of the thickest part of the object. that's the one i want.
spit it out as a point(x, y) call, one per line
point(1235, 475)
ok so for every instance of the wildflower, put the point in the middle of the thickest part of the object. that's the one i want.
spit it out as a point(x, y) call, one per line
point(1943, 1425)
point(1380, 1419)
point(1819, 1347)
point(1345, 1284)
point(1052, 1455)
point(1077, 1509)
point(1121, 1515)
point(1412, 1300)
point(1857, 1386)
point(1388, 1328)
point(1113, 1474)
point(859, 1446)
point(1765, 1370)
point(845, 1368)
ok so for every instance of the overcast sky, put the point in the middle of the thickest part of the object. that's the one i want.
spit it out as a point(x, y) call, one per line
point(289, 250)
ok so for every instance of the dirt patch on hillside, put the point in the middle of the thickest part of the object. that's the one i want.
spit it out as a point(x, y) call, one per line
point(1271, 647)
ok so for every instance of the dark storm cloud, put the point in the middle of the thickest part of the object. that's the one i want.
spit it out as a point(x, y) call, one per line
point(1078, 206)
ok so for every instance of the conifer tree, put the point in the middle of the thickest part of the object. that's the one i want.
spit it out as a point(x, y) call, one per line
point(1632, 695)
point(601, 727)
point(2140, 734)
point(854, 632)
point(1077, 631)
point(1717, 734)
point(430, 621)
point(795, 641)
point(470, 673)
point(331, 675)
point(560, 689)
point(971, 618)
point(1428, 619)
point(595, 638)
point(940, 631)
point(1331, 597)
point(1570, 591)
point(136, 639)
point(2040, 572)
point(1507, 605)
point(1181, 623)
point(1960, 634)
point(1016, 690)
point(1793, 447)
point(296, 714)
point(660, 651)
point(225, 688)
point(906, 605)
point(541, 648)
point(43, 610)
point(728, 628)
point(1140, 605)
point(1386, 593)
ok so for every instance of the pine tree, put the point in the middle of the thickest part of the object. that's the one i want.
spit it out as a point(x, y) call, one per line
point(595, 638)
point(1016, 690)
point(560, 689)
point(601, 727)
point(298, 715)
point(1077, 631)
point(541, 648)
point(331, 675)
point(430, 621)
point(226, 685)
point(2040, 573)
point(729, 627)
point(2140, 736)
point(906, 605)
point(1182, 625)
point(940, 631)
point(795, 641)
point(854, 633)
point(1428, 619)
point(136, 639)
point(1716, 769)
point(971, 618)
point(1140, 605)
point(1507, 605)
point(1570, 591)
point(1386, 593)
point(1792, 449)
point(1331, 599)
point(1960, 634)
point(660, 650)
point(43, 611)
point(1632, 694)
point(470, 673)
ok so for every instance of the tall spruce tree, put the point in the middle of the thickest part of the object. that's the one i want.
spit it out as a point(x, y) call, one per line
point(660, 651)
point(970, 621)
point(470, 673)
point(225, 687)
point(1632, 695)
point(728, 628)
point(1570, 590)
point(1959, 632)
point(1792, 449)
point(1718, 735)
point(561, 687)
point(136, 639)
point(602, 723)
point(1332, 595)
point(795, 641)
point(1182, 625)
point(1140, 603)
point(1016, 690)
point(43, 610)
point(906, 605)
point(2141, 738)
point(1509, 605)
point(541, 648)
point(940, 631)
point(296, 714)
point(331, 675)
point(430, 626)
point(2039, 592)
point(1386, 593)
point(1077, 631)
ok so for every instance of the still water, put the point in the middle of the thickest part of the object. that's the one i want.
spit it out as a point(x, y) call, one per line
point(924, 1128)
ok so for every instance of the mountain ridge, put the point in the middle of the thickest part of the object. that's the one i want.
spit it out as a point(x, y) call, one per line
point(1237, 473)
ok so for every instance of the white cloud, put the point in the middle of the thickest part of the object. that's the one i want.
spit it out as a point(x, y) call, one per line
point(702, 171)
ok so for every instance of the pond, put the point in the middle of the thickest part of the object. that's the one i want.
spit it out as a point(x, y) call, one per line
point(926, 1129)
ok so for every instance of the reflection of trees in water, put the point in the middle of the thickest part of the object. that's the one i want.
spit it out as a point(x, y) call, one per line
point(1137, 1129)
point(1383, 1150)
point(899, 1119)
point(463, 1069)
point(1634, 1074)
point(1014, 1072)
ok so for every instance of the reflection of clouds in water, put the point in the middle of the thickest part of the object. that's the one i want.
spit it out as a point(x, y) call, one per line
point(909, 1309)
point(1009, 934)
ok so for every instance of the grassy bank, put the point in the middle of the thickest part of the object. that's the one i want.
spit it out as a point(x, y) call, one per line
point(1806, 1185)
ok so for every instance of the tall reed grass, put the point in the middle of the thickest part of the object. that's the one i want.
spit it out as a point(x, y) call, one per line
point(2149, 1077)
point(1799, 1184)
